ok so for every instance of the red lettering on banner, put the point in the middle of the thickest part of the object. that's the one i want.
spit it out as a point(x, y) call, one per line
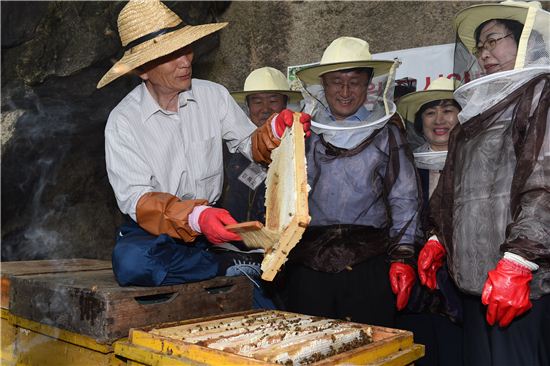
point(428, 82)
point(454, 76)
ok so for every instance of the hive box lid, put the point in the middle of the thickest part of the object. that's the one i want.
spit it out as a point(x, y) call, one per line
point(22, 268)
point(93, 304)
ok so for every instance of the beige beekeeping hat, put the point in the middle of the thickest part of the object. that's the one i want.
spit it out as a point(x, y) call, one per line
point(266, 80)
point(149, 30)
point(467, 20)
point(410, 104)
point(342, 54)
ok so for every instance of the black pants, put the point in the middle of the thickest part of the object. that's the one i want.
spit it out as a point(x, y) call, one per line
point(441, 338)
point(525, 342)
point(361, 295)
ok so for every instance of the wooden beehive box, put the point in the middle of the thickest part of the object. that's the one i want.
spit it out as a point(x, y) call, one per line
point(287, 213)
point(91, 303)
point(14, 348)
point(269, 338)
point(37, 267)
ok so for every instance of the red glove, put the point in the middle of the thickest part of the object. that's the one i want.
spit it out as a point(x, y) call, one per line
point(506, 292)
point(212, 222)
point(402, 279)
point(286, 119)
point(430, 261)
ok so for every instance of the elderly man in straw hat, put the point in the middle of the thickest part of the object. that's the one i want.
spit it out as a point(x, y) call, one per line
point(266, 92)
point(163, 145)
point(491, 208)
point(364, 200)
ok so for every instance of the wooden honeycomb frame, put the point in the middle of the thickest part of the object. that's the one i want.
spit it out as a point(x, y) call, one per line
point(287, 213)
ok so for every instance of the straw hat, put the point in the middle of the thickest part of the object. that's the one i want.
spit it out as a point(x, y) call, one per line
point(467, 21)
point(149, 30)
point(266, 80)
point(410, 104)
point(344, 53)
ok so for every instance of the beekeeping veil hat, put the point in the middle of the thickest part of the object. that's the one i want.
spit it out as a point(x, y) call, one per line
point(266, 80)
point(410, 104)
point(347, 53)
point(149, 30)
point(480, 91)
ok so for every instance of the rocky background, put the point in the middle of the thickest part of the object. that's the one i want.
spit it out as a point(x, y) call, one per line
point(56, 198)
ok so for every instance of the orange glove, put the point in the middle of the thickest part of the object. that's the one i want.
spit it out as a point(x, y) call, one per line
point(286, 119)
point(430, 260)
point(212, 222)
point(506, 292)
point(402, 279)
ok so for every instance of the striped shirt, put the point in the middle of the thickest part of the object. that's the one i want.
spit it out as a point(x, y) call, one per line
point(148, 149)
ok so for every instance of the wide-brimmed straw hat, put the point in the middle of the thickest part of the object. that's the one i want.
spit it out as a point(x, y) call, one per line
point(266, 80)
point(467, 20)
point(149, 30)
point(410, 104)
point(342, 54)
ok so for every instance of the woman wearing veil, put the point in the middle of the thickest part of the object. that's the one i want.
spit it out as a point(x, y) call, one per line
point(434, 316)
point(434, 114)
point(491, 209)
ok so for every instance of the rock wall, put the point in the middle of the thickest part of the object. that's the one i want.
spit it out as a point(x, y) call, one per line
point(56, 198)
point(281, 33)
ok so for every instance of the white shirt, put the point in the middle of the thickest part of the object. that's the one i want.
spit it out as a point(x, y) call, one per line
point(148, 149)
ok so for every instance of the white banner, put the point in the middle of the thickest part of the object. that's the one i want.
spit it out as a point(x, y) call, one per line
point(423, 63)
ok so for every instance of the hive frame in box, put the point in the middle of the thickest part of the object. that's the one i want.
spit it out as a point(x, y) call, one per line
point(287, 213)
point(388, 347)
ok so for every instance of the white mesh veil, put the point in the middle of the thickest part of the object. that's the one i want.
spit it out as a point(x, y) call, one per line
point(348, 134)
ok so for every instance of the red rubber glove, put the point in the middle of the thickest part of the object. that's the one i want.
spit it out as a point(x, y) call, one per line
point(212, 222)
point(506, 292)
point(286, 119)
point(430, 261)
point(402, 279)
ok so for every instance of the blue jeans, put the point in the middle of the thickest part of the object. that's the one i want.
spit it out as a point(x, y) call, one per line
point(143, 259)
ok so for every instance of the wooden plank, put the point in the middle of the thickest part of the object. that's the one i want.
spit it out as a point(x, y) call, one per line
point(15, 268)
point(21, 268)
point(137, 356)
point(93, 304)
point(386, 343)
point(155, 347)
point(7, 340)
point(406, 356)
point(60, 334)
point(38, 349)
